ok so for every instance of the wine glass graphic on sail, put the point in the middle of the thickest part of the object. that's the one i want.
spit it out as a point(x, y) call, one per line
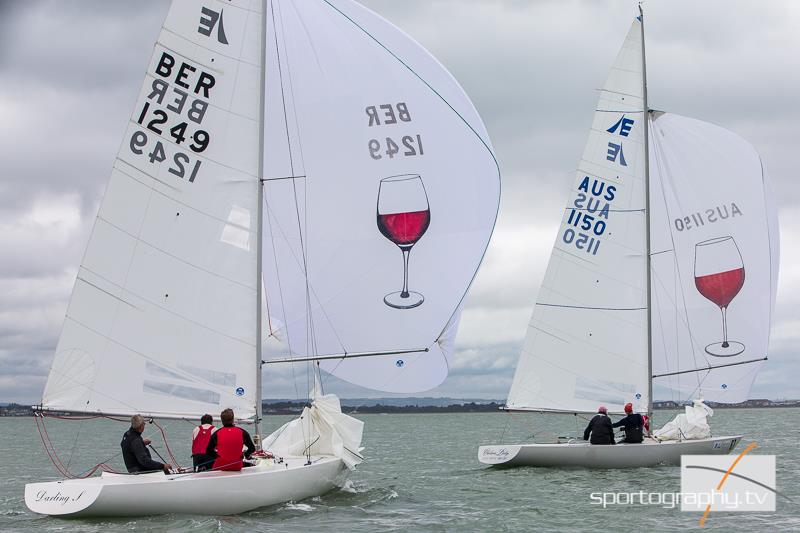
point(403, 218)
point(719, 276)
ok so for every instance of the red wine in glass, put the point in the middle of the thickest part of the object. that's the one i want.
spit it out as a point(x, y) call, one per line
point(403, 217)
point(404, 229)
point(719, 276)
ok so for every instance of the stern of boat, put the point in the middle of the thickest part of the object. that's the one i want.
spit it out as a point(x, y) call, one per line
point(57, 498)
point(723, 445)
point(497, 454)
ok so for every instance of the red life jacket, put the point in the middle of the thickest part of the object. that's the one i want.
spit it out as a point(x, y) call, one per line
point(230, 441)
point(200, 442)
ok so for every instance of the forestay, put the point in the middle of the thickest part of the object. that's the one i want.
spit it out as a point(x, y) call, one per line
point(587, 340)
point(381, 194)
point(162, 316)
point(715, 259)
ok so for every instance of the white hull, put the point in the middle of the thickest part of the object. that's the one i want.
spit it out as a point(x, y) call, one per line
point(205, 493)
point(582, 454)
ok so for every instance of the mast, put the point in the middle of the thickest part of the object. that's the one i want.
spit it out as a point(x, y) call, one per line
point(646, 115)
point(260, 223)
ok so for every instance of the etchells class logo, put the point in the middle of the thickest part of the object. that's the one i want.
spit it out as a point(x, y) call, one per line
point(208, 20)
point(723, 483)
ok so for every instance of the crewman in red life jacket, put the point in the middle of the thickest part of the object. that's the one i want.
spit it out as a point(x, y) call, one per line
point(200, 437)
point(226, 444)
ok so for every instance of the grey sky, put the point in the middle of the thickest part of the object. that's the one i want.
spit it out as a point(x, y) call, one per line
point(70, 71)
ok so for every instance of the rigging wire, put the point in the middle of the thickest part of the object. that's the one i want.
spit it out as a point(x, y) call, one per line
point(294, 189)
point(664, 170)
point(63, 469)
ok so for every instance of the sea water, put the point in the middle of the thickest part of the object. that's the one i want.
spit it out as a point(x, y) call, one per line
point(421, 474)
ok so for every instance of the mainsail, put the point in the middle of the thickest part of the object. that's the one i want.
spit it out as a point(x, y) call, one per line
point(381, 194)
point(713, 247)
point(162, 318)
point(587, 339)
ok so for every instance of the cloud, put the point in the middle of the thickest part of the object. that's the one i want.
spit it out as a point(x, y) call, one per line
point(70, 73)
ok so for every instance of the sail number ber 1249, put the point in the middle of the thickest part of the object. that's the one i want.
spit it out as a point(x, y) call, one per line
point(184, 102)
point(388, 114)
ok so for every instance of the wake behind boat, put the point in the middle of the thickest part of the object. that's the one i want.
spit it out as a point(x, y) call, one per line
point(281, 163)
point(646, 282)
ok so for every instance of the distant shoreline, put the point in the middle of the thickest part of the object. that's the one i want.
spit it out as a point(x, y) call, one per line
point(294, 407)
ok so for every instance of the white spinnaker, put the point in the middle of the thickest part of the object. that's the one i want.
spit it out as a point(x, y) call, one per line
point(162, 317)
point(352, 100)
point(713, 212)
point(587, 339)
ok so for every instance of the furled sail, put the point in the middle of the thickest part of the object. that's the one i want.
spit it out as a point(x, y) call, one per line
point(381, 194)
point(587, 340)
point(715, 259)
point(162, 318)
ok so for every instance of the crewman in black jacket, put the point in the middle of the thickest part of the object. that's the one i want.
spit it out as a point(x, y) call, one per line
point(632, 424)
point(600, 428)
point(134, 450)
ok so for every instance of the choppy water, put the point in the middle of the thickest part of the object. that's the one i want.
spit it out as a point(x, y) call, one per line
point(422, 475)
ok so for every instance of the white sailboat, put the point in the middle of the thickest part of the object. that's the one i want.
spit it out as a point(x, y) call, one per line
point(646, 282)
point(315, 144)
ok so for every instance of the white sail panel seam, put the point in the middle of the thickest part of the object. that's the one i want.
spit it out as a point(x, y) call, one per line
point(186, 375)
point(203, 47)
point(79, 278)
point(621, 94)
point(154, 178)
point(569, 338)
point(178, 315)
point(592, 308)
point(606, 275)
point(617, 172)
point(177, 201)
point(636, 111)
point(173, 256)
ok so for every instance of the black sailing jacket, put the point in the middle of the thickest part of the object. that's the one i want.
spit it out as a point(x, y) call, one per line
point(135, 453)
point(600, 429)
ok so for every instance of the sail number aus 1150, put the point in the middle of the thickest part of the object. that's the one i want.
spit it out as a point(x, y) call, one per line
point(410, 146)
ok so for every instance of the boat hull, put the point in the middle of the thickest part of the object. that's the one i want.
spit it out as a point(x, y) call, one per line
point(204, 493)
point(584, 455)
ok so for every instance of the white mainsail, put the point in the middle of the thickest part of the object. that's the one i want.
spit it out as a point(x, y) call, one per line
point(162, 318)
point(587, 339)
point(374, 156)
point(714, 244)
